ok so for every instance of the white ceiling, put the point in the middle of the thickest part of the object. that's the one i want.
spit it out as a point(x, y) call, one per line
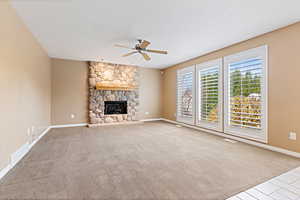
point(88, 29)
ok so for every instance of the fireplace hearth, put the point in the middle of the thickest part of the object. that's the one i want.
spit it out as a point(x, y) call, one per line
point(115, 107)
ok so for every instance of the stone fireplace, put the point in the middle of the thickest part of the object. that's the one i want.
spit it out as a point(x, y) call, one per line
point(113, 93)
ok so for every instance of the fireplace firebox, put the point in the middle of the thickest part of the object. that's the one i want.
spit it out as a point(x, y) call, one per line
point(115, 107)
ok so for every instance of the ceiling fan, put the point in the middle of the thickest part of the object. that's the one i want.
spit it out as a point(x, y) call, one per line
point(141, 48)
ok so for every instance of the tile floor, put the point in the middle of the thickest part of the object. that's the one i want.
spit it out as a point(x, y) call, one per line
point(283, 187)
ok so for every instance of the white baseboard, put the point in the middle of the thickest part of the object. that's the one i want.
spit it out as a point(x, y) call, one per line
point(261, 145)
point(40, 137)
point(68, 125)
point(151, 119)
point(4, 171)
point(20, 153)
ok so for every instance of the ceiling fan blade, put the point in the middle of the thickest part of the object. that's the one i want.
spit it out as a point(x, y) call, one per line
point(156, 51)
point(146, 57)
point(123, 46)
point(144, 44)
point(129, 54)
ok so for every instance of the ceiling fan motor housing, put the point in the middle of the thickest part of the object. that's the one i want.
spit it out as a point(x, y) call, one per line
point(137, 47)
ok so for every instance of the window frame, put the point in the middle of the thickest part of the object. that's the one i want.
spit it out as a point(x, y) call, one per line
point(253, 134)
point(199, 67)
point(190, 121)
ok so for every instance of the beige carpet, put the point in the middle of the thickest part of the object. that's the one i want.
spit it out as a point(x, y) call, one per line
point(154, 160)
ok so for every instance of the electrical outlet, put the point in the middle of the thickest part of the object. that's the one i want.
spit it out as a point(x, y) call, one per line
point(72, 116)
point(292, 136)
point(146, 113)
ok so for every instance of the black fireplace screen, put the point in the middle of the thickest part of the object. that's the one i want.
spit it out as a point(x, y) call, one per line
point(115, 107)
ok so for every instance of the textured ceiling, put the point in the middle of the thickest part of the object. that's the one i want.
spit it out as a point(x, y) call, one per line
point(88, 29)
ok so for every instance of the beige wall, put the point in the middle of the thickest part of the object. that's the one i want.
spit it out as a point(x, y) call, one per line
point(150, 93)
point(24, 84)
point(284, 82)
point(70, 92)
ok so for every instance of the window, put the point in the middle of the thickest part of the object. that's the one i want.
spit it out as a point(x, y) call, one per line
point(227, 94)
point(185, 95)
point(209, 93)
point(245, 94)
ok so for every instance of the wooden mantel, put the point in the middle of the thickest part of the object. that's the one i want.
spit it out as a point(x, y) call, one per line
point(101, 86)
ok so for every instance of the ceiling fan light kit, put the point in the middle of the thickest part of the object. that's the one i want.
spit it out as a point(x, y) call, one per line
point(141, 48)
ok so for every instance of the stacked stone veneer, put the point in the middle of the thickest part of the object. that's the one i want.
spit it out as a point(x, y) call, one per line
point(114, 74)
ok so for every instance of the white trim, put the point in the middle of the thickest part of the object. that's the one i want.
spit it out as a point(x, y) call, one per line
point(266, 91)
point(20, 153)
point(150, 120)
point(68, 125)
point(4, 171)
point(254, 143)
point(40, 137)
point(258, 135)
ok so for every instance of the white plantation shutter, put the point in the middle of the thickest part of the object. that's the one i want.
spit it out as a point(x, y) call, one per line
point(245, 94)
point(185, 95)
point(209, 93)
